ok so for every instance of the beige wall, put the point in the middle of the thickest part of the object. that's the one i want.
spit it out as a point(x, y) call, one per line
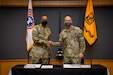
point(6, 65)
point(54, 3)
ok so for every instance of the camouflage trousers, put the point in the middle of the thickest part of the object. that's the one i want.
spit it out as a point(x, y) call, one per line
point(72, 60)
point(40, 61)
point(39, 54)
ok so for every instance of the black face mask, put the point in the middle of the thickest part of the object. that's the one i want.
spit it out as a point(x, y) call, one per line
point(44, 22)
point(68, 24)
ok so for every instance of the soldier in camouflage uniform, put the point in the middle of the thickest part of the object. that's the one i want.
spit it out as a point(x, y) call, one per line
point(74, 43)
point(40, 53)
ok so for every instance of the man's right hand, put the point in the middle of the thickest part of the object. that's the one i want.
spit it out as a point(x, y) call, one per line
point(49, 43)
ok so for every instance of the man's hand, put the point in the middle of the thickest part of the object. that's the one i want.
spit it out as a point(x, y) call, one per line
point(49, 43)
point(81, 55)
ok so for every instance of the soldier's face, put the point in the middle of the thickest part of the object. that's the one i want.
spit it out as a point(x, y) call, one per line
point(67, 19)
point(44, 20)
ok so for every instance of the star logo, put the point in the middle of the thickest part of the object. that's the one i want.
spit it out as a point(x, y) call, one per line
point(30, 21)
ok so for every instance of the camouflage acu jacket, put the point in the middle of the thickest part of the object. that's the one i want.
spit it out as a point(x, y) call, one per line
point(40, 36)
point(73, 41)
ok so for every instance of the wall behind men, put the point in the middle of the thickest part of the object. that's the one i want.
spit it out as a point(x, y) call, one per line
point(13, 30)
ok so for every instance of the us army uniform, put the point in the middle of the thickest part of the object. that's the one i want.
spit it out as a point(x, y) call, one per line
point(74, 43)
point(40, 53)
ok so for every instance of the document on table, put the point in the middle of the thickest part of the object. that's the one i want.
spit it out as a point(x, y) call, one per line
point(85, 66)
point(47, 66)
point(76, 66)
point(71, 65)
point(32, 66)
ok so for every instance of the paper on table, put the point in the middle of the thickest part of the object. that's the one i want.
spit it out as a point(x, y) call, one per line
point(85, 66)
point(32, 66)
point(71, 65)
point(47, 66)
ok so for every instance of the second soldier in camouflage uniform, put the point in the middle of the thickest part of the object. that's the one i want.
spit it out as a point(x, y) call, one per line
point(73, 40)
point(40, 53)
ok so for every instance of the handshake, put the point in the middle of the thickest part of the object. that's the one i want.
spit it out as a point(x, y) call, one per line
point(49, 43)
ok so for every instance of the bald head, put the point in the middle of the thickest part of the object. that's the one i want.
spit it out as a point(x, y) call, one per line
point(43, 18)
point(67, 19)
